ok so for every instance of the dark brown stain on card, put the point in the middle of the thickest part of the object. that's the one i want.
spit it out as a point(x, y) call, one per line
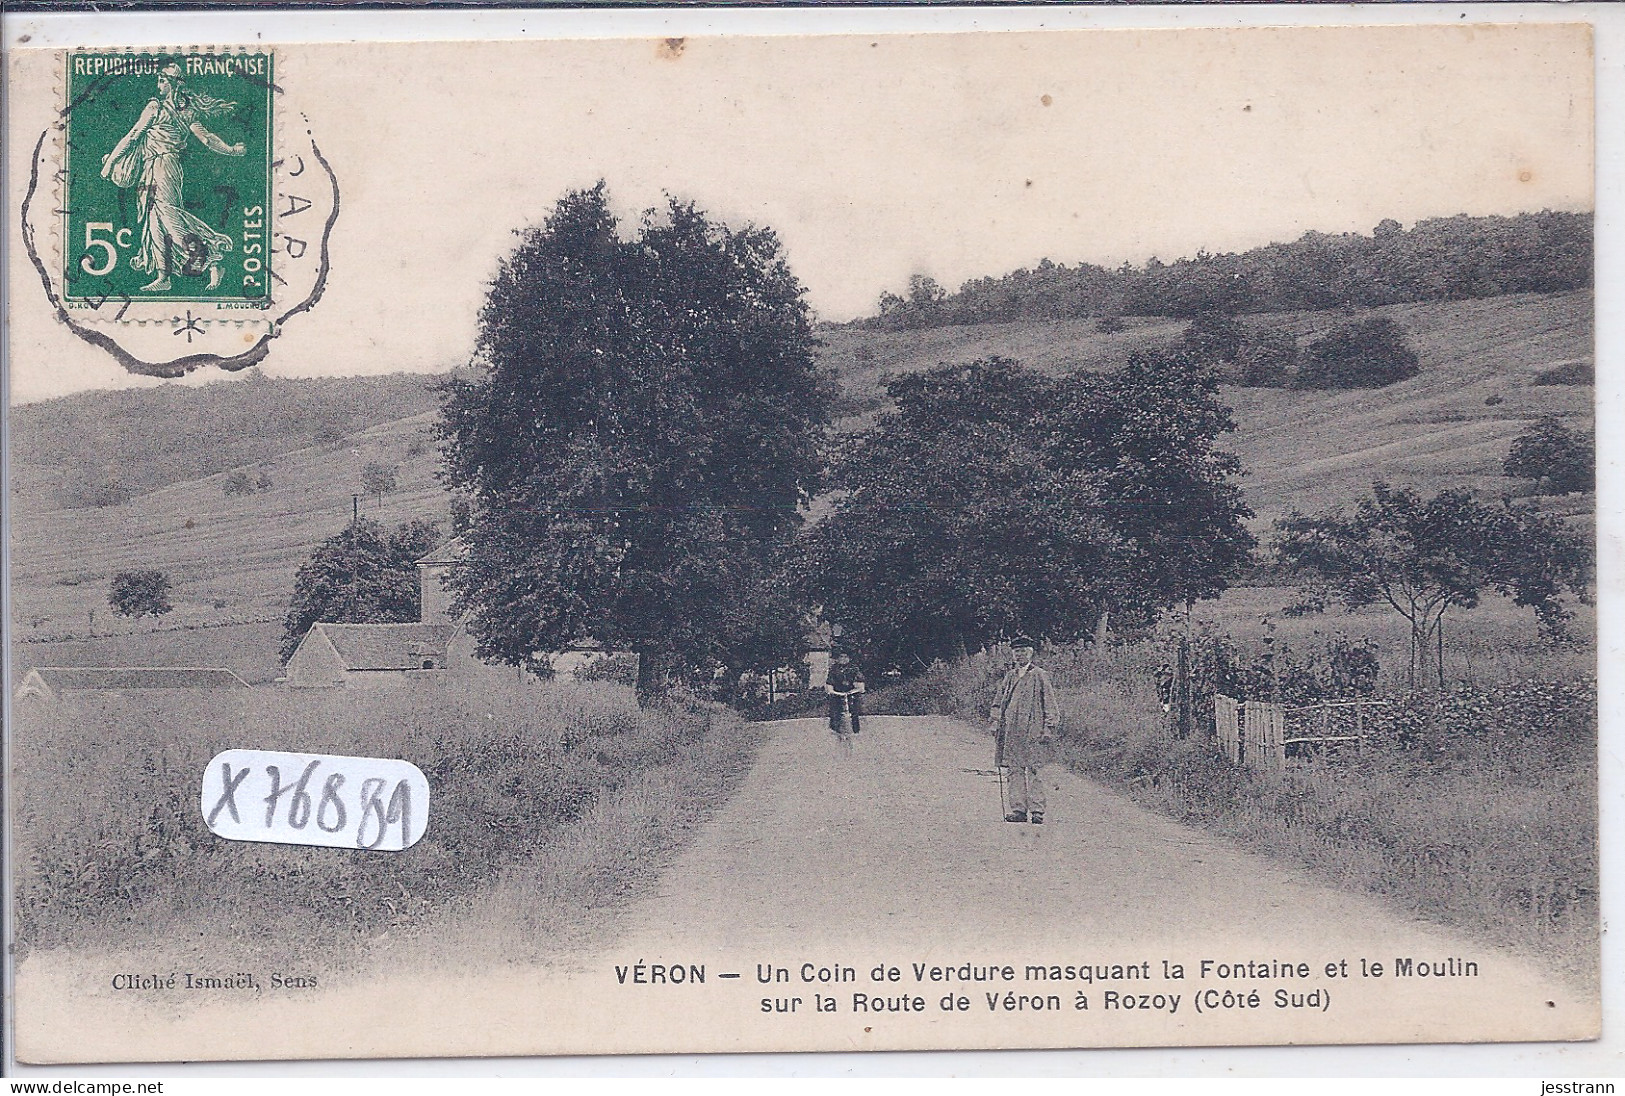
point(671, 48)
point(1045, 99)
point(1526, 176)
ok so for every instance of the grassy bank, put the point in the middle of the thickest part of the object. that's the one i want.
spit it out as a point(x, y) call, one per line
point(1476, 808)
point(112, 852)
point(564, 899)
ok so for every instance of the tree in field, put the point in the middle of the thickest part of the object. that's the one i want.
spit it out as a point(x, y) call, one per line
point(638, 450)
point(954, 529)
point(140, 593)
point(1424, 558)
point(362, 575)
point(378, 479)
point(996, 500)
point(1148, 434)
point(238, 483)
point(1549, 452)
point(1367, 354)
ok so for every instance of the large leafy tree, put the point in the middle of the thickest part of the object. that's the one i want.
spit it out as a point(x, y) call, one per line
point(361, 575)
point(1148, 433)
point(1423, 558)
point(647, 428)
point(994, 499)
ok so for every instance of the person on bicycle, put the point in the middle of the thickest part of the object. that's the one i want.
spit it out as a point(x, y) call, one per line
point(844, 685)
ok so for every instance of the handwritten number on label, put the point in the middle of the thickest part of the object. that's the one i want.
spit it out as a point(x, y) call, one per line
point(399, 810)
point(300, 796)
point(354, 802)
point(330, 797)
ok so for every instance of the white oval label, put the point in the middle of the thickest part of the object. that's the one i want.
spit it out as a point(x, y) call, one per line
point(372, 803)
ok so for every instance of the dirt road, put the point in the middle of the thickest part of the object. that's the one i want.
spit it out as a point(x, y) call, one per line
point(830, 862)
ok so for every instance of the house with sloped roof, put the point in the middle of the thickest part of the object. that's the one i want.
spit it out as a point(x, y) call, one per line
point(435, 605)
point(53, 682)
point(434, 647)
point(333, 655)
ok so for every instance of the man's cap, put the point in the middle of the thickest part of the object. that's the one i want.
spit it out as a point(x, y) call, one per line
point(1024, 641)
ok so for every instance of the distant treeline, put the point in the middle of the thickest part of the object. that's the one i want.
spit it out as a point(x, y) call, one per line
point(1440, 259)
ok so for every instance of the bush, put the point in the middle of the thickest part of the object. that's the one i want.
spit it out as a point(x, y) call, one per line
point(1367, 354)
point(237, 484)
point(1331, 667)
point(1551, 454)
point(1110, 325)
point(1336, 668)
point(140, 593)
point(85, 492)
point(1267, 359)
point(1556, 718)
point(1581, 372)
point(1311, 600)
point(1213, 338)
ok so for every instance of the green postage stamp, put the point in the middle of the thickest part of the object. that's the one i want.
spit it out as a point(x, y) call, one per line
point(168, 160)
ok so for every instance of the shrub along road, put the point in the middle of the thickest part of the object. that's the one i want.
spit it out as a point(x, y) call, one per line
point(830, 862)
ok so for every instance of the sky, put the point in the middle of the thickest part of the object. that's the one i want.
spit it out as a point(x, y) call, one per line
point(875, 157)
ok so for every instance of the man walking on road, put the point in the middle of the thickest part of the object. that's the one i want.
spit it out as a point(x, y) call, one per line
point(1024, 718)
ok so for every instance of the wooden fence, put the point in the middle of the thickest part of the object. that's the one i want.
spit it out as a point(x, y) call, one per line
point(1258, 734)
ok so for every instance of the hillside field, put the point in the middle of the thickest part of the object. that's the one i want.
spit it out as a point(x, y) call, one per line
point(232, 558)
point(1311, 450)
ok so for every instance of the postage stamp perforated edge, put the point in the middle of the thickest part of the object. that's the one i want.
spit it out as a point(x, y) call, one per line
point(131, 312)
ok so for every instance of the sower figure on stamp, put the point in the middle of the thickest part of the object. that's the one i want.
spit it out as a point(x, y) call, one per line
point(149, 158)
point(1024, 717)
point(845, 688)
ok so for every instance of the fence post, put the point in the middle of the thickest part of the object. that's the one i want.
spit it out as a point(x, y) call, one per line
point(1227, 727)
point(1182, 689)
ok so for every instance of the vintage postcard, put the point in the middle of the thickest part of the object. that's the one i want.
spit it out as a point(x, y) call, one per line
point(856, 542)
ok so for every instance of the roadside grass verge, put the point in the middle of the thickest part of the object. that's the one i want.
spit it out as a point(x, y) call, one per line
point(567, 898)
point(113, 854)
point(1476, 809)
